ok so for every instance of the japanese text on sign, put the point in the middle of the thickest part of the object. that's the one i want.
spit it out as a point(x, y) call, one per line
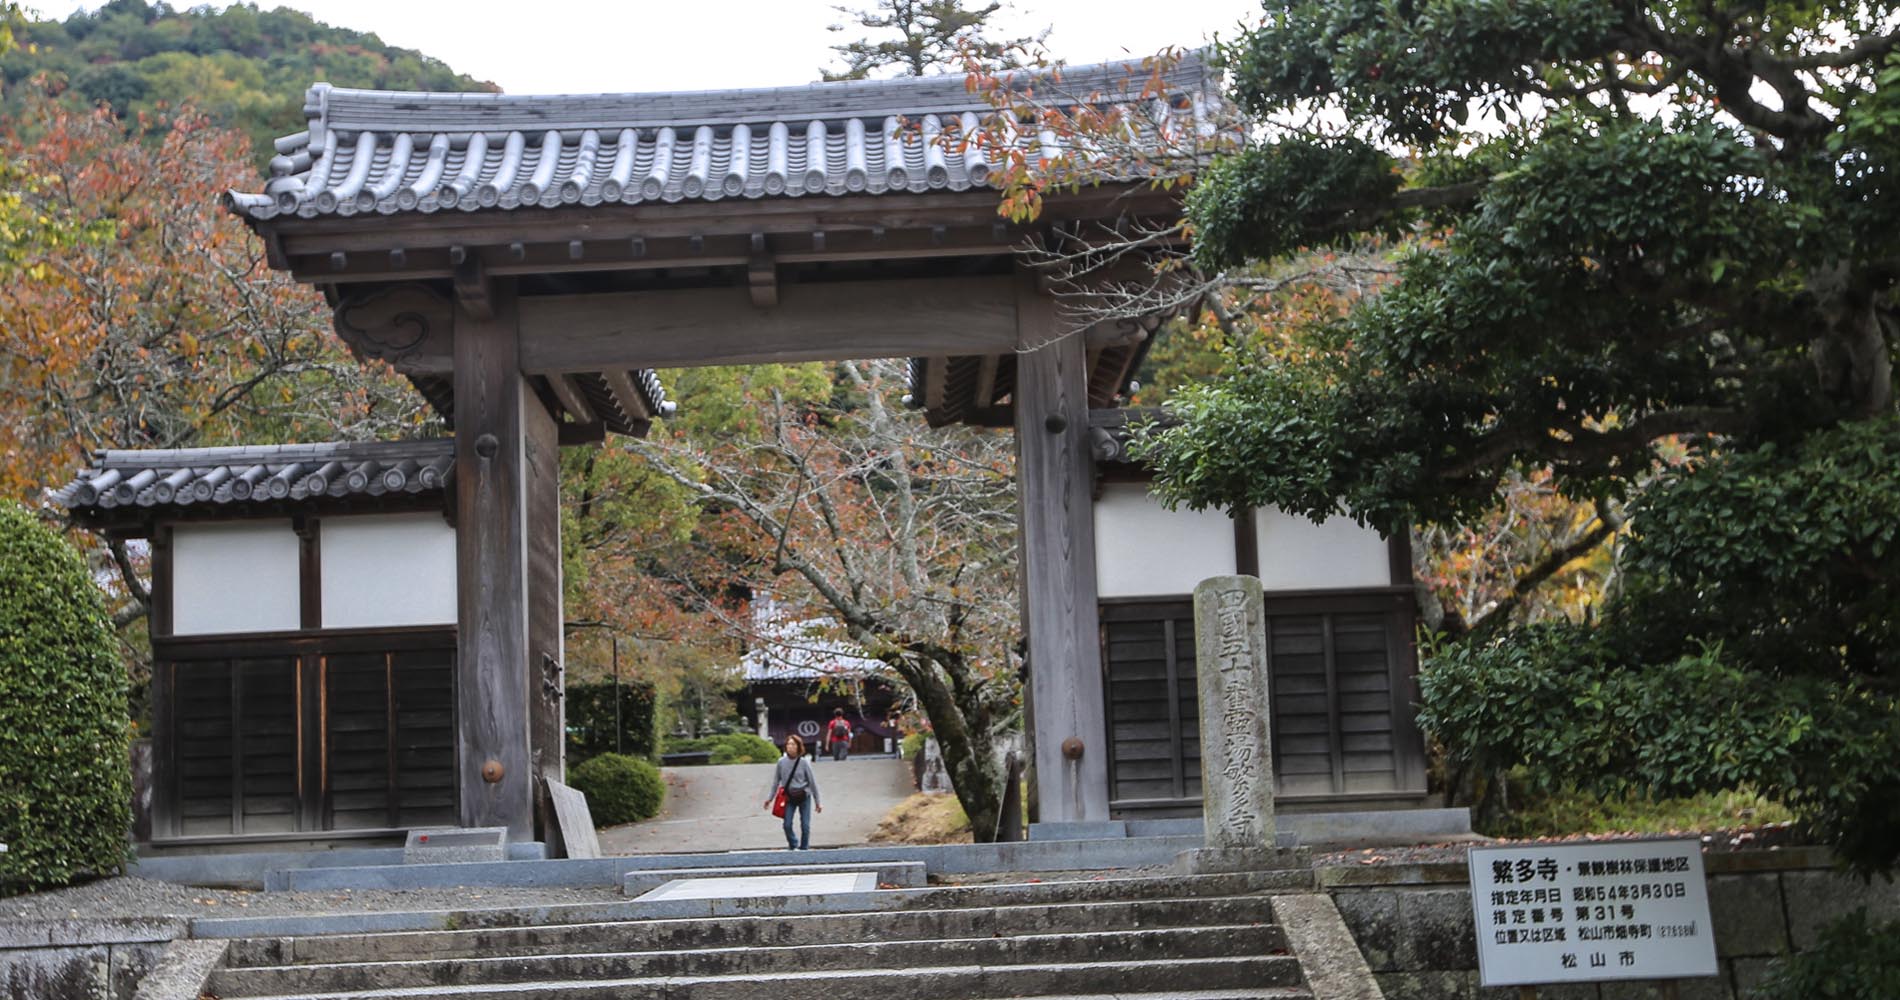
point(1549, 913)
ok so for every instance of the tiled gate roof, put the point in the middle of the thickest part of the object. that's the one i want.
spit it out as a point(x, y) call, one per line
point(389, 152)
point(258, 474)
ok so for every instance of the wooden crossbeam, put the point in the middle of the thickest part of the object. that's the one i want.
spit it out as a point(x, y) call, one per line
point(812, 322)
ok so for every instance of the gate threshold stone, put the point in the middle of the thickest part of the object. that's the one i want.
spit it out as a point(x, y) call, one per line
point(764, 886)
point(902, 874)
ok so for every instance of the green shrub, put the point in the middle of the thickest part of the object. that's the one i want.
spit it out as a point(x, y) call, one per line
point(65, 776)
point(743, 748)
point(912, 746)
point(728, 748)
point(590, 720)
point(680, 744)
point(619, 789)
point(1855, 959)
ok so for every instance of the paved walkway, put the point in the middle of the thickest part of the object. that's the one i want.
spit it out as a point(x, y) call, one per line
point(718, 808)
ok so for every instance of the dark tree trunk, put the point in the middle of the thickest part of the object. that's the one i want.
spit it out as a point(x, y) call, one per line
point(961, 722)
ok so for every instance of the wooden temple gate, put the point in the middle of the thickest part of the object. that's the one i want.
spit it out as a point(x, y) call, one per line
point(527, 261)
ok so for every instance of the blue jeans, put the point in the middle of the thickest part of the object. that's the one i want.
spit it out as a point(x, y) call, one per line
point(803, 812)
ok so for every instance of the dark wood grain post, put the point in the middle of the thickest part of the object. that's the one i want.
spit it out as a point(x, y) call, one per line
point(493, 670)
point(541, 489)
point(1058, 565)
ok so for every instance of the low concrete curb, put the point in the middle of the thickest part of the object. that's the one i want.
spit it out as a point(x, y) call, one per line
point(182, 970)
point(268, 869)
point(1328, 954)
point(1022, 856)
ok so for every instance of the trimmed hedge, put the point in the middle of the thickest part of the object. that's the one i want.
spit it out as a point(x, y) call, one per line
point(743, 748)
point(590, 720)
point(65, 773)
point(619, 789)
point(728, 748)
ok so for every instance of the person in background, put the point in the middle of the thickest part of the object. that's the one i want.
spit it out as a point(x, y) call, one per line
point(794, 774)
point(838, 735)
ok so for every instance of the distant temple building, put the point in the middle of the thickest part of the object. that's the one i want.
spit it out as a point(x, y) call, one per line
point(801, 672)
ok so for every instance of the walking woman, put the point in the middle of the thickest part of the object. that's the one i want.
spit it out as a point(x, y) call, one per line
point(801, 792)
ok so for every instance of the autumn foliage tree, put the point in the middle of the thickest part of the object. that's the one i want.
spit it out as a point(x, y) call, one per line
point(877, 530)
point(1648, 227)
point(150, 319)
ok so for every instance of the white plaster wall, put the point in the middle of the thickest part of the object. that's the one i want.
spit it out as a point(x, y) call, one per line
point(1142, 549)
point(387, 569)
point(235, 578)
point(1296, 554)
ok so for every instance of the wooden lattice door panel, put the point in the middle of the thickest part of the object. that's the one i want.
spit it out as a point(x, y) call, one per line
point(234, 746)
point(424, 706)
point(1153, 710)
point(390, 740)
point(1337, 668)
point(1332, 703)
point(267, 759)
point(201, 747)
point(340, 735)
point(357, 756)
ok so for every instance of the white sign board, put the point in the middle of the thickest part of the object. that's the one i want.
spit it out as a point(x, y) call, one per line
point(1584, 913)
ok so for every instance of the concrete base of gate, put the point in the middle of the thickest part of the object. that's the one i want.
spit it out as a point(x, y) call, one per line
point(1232, 860)
point(1354, 828)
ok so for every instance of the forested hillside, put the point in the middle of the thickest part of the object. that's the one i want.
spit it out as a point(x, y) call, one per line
point(245, 67)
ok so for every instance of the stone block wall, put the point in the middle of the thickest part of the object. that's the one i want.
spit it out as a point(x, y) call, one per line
point(80, 959)
point(1414, 924)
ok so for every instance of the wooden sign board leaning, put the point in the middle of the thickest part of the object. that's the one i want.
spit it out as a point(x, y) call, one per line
point(1585, 913)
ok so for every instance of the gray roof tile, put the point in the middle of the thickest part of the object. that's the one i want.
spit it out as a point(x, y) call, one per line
point(387, 152)
point(258, 474)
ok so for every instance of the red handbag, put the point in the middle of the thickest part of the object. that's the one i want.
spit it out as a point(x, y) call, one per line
point(778, 803)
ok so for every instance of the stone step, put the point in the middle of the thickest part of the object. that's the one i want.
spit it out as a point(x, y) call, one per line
point(952, 982)
point(1041, 949)
point(812, 929)
point(881, 900)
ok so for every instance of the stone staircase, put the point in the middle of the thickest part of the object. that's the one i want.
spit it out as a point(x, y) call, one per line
point(1210, 937)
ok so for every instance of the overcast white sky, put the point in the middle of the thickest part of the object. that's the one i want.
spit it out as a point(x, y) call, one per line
point(574, 46)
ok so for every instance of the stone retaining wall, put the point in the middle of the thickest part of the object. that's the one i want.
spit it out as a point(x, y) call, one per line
point(80, 959)
point(1414, 924)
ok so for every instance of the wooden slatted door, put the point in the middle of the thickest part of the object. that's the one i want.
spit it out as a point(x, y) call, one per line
point(234, 767)
point(1153, 709)
point(424, 715)
point(337, 735)
point(1332, 704)
point(389, 740)
point(1339, 670)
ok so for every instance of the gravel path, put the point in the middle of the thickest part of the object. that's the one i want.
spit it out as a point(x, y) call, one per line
point(718, 808)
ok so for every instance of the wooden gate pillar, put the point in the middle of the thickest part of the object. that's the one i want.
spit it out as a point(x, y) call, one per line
point(495, 412)
point(1068, 717)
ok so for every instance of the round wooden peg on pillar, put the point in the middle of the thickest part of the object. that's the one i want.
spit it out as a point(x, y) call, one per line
point(486, 446)
point(492, 771)
point(1072, 748)
point(1055, 423)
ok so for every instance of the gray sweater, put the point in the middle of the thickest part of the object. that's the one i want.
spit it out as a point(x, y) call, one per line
point(802, 778)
